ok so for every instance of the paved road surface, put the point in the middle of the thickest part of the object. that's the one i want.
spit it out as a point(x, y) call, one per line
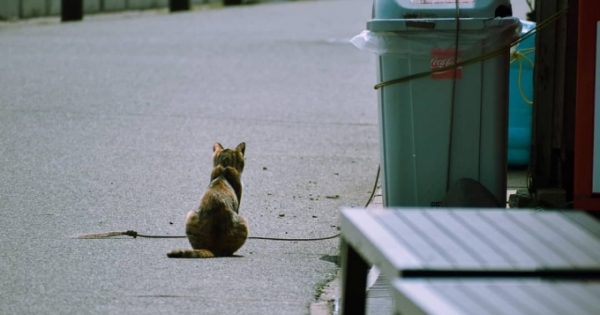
point(108, 124)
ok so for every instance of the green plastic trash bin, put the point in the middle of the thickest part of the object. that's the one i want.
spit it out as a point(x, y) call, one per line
point(428, 141)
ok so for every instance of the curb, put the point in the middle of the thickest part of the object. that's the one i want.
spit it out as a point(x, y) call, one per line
point(328, 301)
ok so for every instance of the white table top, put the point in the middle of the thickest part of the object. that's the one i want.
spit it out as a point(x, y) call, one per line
point(494, 242)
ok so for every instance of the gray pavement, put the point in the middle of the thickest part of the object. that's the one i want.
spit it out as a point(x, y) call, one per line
point(108, 124)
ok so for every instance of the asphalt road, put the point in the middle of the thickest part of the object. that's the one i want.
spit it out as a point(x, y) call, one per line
point(108, 124)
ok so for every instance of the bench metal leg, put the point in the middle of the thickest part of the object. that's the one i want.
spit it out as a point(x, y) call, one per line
point(354, 281)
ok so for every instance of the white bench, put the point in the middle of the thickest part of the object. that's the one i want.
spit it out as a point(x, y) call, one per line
point(495, 297)
point(466, 243)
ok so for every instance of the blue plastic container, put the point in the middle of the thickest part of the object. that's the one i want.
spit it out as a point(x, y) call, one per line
point(519, 102)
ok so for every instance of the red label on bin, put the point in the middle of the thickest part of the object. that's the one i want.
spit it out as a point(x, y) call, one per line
point(442, 58)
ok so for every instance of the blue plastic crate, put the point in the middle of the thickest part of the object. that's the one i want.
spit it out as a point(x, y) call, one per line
point(520, 106)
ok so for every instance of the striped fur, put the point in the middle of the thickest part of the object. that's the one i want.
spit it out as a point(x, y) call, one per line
point(215, 229)
point(190, 253)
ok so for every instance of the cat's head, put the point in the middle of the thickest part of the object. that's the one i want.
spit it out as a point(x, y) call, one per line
point(229, 157)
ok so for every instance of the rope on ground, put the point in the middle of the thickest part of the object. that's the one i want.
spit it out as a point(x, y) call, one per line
point(135, 234)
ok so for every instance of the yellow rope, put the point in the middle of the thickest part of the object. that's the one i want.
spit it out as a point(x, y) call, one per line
point(519, 55)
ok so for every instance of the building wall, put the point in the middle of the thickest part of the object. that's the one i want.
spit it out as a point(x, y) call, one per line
point(23, 9)
point(585, 196)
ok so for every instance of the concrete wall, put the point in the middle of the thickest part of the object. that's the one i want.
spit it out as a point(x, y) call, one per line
point(9, 9)
point(91, 6)
point(53, 7)
point(114, 5)
point(146, 4)
point(15, 9)
point(33, 8)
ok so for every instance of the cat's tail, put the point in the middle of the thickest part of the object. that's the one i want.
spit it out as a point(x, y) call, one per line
point(190, 253)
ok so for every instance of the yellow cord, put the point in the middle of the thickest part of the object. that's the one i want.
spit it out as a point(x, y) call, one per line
point(519, 55)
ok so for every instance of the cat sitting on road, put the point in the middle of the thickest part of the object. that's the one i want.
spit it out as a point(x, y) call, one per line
point(216, 229)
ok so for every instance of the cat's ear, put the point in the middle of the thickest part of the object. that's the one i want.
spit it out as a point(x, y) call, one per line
point(217, 147)
point(241, 147)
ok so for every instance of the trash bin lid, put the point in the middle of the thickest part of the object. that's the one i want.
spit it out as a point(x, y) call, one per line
point(423, 9)
point(443, 24)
